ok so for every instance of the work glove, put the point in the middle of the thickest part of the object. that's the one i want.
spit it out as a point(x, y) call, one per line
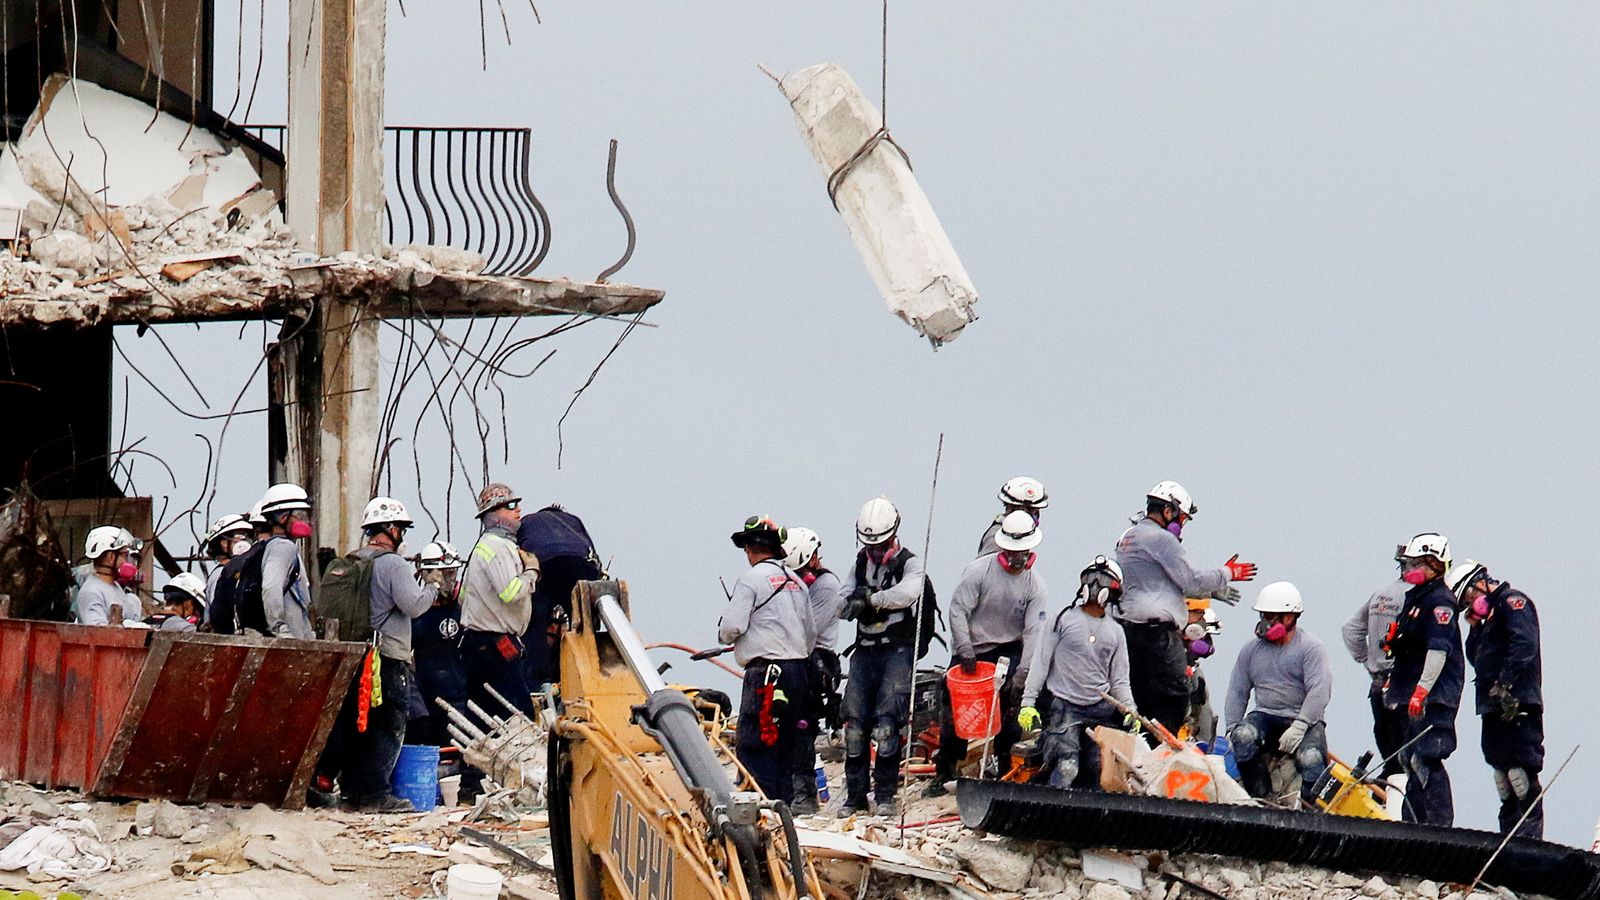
point(1239, 571)
point(969, 664)
point(1510, 706)
point(1419, 699)
point(857, 606)
point(1130, 722)
point(1292, 736)
point(1028, 718)
point(1228, 595)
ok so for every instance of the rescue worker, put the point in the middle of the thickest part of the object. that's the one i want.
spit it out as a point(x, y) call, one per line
point(768, 622)
point(1157, 579)
point(803, 553)
point(497, 604)
point(998, 611)
point(285, 587)
point(1083, 656)
point(1020, 493)
point(883, 596)
point(1199, 642)
point(434, 636)
point(103, 598)
point(229, 536)
point(1427, 678)
point(566, 554)
point(1503, 645)
point(183, 604)
point(396, 599)
point(1287, 671)
point(1363, 635)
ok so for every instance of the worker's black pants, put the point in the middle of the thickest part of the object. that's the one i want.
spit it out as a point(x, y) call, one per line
point(877, 700)
point(363, 761)
point(1428, 797)
point(767, 722)
point(953, 749)
point(1071, 756)
point(1255, 747)
point(1388, 729)
point(557, 577)
point(439, 677)
point(1515, 750)
point(492, 661)
point(1158, 672)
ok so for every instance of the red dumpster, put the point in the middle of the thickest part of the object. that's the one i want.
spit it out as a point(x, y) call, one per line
point(150, 714)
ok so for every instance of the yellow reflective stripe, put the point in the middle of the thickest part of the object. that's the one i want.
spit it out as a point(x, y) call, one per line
point(485, 551)
point(513, 588)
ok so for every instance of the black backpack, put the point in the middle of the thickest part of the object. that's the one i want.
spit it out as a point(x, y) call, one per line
point(927, 609)
point(237, 604)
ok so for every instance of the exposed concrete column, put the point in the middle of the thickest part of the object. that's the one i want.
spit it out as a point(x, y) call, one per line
point(334, 191)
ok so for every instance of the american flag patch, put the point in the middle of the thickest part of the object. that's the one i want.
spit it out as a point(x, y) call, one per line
point(1443, 614)
point(783, 583)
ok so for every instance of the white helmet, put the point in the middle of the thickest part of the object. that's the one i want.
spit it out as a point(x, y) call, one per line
point(1173, 492)
point(877, 521)
point(385, 510)
point(284, 498)
point(105, 539)
point(1425, 545)
point(439, 555)
point(1024, 491)
point(229, 524)
point(1209, 619)
point(191, 584)
point(1102, 579)
point(1463, 574)
point(1018, 531)
point(1280, 597)
point(800, 546)
point(257, 520)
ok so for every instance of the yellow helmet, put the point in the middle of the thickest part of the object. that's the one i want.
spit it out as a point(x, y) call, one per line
point(1198, 604)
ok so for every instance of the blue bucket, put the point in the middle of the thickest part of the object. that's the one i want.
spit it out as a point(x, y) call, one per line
point(416, 776)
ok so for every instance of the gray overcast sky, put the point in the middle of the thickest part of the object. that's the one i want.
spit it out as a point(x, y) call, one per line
point(1332, 267)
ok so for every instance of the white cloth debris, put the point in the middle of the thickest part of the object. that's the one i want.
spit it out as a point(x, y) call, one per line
point(68, 849)
point(893, 225)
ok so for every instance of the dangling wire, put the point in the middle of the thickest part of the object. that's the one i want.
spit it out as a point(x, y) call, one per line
point(881, 136)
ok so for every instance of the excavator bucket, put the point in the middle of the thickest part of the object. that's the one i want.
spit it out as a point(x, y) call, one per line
point(1133, 822)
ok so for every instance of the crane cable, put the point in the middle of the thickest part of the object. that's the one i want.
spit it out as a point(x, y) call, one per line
point(881, 136)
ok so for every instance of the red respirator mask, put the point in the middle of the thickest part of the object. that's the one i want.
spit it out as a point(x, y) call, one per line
point(299, 530)
point(128, 573)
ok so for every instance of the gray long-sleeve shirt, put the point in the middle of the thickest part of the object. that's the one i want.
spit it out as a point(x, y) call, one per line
point(1363, 634)
point(898, 597)
point(991, 607)
point(285, 590)
point(211, 590)
point(768, 615)
point(497, 590)
point(1157, 577)
point(397, 598)
point(1079, 657)
point(826, 603)
point(1289, 679)
point(99, 603)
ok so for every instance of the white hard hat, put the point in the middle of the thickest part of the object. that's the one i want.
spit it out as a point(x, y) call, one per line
point(255, 517)
point(877, 521)
point(800, 545)
point(1024, 491)
point(228, 524)
point(190, 584)
point(105, 539)
point(1425, 545)
point(1280, 597)
point(1211, 622)
point(439, 555)
point(284, 497)
point(1018, 531)
point(1173, 492)
point(1462, 574)
point(384, 510)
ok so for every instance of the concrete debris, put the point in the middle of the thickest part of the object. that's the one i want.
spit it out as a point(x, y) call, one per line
point(168, 819)
point(999, 867)
point(1104, 891)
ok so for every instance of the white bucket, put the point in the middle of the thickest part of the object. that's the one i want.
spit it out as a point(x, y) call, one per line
point(449, 790)
point(472, 882)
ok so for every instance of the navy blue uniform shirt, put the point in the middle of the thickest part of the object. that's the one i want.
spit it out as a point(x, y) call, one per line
point(1504, 649)
point(1427, 622)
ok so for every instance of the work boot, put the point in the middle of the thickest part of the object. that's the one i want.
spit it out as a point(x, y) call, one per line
point(388, 804)
point(322, 793)
point(937, 788)
point(852, 806)
point(888, 809)
point(804, 806)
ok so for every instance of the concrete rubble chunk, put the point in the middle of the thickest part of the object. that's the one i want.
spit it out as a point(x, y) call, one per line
point(1428, 889)
point(998, 867)
point(1104, 891)
point(1375, 887)
point(168, 819)
point(528, 887)
point(1234, 879)
point(66, 250)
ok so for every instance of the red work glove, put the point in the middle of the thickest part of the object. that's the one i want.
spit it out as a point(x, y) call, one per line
point(1239, 571)
point(1418, 698)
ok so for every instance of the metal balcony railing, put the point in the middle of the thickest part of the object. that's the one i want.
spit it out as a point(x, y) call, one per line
point(459, 187)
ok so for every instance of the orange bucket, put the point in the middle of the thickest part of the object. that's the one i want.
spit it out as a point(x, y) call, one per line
point(974, 703)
